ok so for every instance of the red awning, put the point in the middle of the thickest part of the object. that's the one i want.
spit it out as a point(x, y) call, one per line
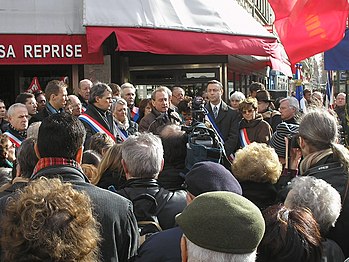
point(161, 41)
point(200, 27)
point(46, 49)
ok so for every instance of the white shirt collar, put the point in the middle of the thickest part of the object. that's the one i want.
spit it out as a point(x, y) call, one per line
point(218, 106)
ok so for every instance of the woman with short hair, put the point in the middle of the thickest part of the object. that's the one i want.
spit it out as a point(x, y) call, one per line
point(125, 126)
point(252, 126)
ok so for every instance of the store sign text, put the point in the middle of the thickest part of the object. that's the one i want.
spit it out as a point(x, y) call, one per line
point(42, 51)
point(46, 49)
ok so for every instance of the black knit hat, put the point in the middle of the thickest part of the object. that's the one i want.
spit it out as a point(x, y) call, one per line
point(209, 176)
point(223, 222)
point(277, 140)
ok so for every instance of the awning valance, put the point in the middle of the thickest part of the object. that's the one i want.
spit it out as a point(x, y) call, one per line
point(197, 27)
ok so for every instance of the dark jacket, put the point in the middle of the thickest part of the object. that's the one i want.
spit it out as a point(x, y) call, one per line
point(273, 118)
point(262, 195)
point(155, 121)
point(172, 177)
point(3, 125)
point(84, 104)
point(257, 130)
point(19, 135)
point(175, 201)
point(106, 121)
point(227, 122)
point(111, 178)
point(114, 213)
point(45, 112)
point(161, 247)
point(330, 170)
point(17, 183)
point(131, 130)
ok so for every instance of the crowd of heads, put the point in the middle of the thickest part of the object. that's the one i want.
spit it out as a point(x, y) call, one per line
point(220, 223)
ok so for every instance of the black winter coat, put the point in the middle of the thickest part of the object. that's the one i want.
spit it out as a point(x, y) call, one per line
point(330, 170)
point(114, 213)
point(175, 201)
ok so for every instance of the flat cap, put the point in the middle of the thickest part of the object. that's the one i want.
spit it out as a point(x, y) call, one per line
point(207, 176)
point(223, 222)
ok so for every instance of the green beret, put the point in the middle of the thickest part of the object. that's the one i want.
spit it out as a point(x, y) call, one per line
point(223, 222)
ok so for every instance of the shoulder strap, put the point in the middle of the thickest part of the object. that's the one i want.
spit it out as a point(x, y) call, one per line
point(163, 200)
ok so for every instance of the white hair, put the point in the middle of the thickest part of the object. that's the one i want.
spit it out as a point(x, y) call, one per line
point(237, 95)
point(199, 254)
point(12, 109)
point(319, 196)
point(293, 102)
point(143, 154)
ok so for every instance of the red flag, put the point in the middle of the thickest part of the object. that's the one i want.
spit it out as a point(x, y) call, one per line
point(309, 27)
point(34, 86)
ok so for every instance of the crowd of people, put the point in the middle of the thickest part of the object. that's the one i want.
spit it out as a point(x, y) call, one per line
point(100, 176)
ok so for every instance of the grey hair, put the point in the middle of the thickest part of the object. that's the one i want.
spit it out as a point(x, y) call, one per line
point(341, 94)
point(167, 90)
point(119, 101)
point(160, 89)
point(320, 197)
point(12, 109)
point(98, 90)
point(143, 155)
point(293, 102)
point(198, 254)
point(237, 95)
point(127, 85)
point(319, 129)
point(33, 130)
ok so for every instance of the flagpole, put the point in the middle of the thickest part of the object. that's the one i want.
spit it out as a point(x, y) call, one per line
point(345, 125)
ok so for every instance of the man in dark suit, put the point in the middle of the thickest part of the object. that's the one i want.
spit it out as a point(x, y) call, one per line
point(56, 96)
point(225, 119)
point(98, 117)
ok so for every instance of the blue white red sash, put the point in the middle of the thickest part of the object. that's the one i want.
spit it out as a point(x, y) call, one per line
point(16, 141)
point(244, 138)
point(97, 127)
point(135, 113)
point(122, 135)
point(209, 118)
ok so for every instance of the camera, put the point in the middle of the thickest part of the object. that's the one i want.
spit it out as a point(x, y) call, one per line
point(198, 111)
point(293, 141)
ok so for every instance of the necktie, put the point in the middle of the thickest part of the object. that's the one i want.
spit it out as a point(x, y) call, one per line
point(215, 111)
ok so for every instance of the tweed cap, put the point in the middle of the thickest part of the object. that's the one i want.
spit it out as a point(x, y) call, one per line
point(207, 176)
point(277, 140)
point(223, 222)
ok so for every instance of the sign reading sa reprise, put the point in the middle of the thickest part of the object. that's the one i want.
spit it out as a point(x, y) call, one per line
point(46, 49)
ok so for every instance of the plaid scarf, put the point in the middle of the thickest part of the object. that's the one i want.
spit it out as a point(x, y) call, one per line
point(55, 161)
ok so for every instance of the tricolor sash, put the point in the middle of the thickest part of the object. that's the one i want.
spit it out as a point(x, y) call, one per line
point(244, 138)
point(135, 113)
point(208, 118)
point(15, 140)
point(97, 127)
point(122, 135)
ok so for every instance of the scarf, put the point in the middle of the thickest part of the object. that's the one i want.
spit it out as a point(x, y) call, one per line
point(311, 159)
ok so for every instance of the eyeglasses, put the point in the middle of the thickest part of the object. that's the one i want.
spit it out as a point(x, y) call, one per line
point(247, 111)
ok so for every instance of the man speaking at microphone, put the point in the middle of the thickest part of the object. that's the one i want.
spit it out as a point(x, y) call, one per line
point(161, 115)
